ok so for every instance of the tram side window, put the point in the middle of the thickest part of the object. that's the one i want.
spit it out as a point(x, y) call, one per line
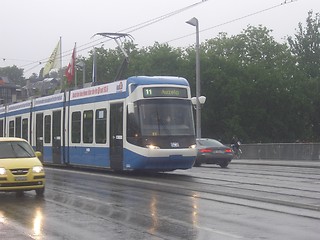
point(25, 128)
point(47, 128)
point(18, 127)
point(101, 126)
point(1, 128)
point(87, 126)
point(11, 128)
point(76, 127)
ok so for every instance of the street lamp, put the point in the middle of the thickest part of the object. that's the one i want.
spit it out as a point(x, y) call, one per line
point(202, 100)
point(82, 66)
point(194, 22)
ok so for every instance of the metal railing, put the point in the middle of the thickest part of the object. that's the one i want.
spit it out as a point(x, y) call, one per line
point(281, 151)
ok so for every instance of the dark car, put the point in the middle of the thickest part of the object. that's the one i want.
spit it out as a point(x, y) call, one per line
point(214, 152)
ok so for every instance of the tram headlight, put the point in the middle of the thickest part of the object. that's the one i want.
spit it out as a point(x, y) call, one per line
point(150, 146)
point(193, 146)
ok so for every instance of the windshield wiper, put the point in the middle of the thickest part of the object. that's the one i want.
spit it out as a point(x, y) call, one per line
point(25, 151)
point(13, 151)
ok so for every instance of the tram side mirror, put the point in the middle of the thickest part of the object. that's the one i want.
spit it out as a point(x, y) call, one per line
point(130, 108)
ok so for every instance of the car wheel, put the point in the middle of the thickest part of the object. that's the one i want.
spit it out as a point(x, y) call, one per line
point(40, 191)
point(224, 165)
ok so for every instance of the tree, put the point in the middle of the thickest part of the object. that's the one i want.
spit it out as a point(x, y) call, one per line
point(14, 73)
point(159, 59)
point(306, 46)
point(248, 81)
point(108, 62)
point(256, 88)
point(34, 76)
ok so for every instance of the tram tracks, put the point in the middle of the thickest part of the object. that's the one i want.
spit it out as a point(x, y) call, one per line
point(286, 193)
point(201, 203)
point(286, 199)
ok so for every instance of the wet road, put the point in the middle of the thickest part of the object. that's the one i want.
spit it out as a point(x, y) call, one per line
point(245, 201)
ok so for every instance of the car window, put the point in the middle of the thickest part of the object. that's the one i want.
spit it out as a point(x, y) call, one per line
point(15, 149)
point(210, 143)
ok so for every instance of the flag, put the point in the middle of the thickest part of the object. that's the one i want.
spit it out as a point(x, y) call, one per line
point(54, 60)
point(70, 71)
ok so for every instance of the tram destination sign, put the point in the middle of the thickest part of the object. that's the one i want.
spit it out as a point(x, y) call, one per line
point(149, 92)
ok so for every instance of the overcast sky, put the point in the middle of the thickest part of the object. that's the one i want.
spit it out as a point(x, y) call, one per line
point(30, 29)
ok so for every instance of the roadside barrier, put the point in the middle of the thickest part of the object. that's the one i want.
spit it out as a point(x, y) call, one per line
point(281, 151)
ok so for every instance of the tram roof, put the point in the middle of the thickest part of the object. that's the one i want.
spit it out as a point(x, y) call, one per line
point(146, 80)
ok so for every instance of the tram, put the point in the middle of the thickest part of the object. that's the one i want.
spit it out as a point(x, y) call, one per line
point(140, 123)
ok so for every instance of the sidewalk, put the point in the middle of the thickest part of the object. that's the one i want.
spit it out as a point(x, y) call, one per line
point(289, 163)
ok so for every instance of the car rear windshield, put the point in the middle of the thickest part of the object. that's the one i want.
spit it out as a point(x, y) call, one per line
point(210, 142)
point(15, 149)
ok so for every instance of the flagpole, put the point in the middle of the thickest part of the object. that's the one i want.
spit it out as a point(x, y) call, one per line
point(63, 88)
point(75, 66)
point(70, 70)
point(61, 73)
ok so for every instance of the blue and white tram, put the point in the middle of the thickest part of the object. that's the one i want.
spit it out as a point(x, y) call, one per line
point(141, 123)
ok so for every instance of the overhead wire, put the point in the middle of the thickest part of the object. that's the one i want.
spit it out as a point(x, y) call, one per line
point(128, 30)
point(236, 19)
point(15, 59)
point(150, 22)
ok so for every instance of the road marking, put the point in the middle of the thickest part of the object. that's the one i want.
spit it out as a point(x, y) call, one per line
point(220, 232)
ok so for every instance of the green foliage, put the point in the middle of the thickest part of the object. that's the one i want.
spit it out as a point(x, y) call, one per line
point(306, 46)
point(245, 85)
point(256, 88)
point(14, 73)
point(159, 59)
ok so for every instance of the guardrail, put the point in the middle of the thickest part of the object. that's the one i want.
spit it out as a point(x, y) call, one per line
point(281, 151)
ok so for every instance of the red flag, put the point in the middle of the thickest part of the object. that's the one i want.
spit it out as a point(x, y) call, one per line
point(71, 67)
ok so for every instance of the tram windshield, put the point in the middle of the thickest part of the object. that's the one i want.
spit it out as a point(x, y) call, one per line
point(172, 117)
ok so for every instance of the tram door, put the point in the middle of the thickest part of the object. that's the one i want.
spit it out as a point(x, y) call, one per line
point(56, 137)
point(39, 134)
point(116, 136)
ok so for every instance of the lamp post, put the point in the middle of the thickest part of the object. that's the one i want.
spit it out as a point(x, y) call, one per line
point(82, 66)
point(194, 22)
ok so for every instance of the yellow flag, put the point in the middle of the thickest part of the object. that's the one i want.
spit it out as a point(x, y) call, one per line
point(53, 62)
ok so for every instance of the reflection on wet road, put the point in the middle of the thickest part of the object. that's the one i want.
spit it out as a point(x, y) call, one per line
point(21, 215)
point(202, 203)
